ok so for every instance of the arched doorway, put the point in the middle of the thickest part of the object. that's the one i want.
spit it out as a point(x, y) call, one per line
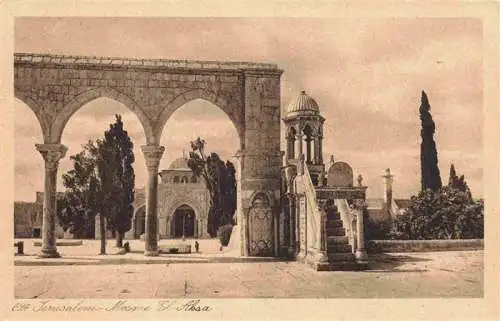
point(184, 221)
point(140, 222)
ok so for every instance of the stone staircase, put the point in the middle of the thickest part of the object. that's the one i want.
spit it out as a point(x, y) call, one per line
point(340, 253)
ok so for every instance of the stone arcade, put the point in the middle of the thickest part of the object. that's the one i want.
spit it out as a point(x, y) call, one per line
point(55, 87)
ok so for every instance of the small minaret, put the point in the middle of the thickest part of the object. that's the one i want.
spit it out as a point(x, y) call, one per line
point(388, 179)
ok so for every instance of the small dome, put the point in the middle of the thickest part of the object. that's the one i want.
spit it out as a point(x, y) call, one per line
point(303, 105)
point(180, 163)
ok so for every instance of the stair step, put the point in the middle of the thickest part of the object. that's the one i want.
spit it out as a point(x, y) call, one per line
point(335, 231)
point(333, 217)
point(342, 266)
point(337, 239)
point(332, 257)
point(339, 248)
point(334, 223)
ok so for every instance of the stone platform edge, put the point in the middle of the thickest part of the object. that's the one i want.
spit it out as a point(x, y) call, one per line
point(395, 246)
point(62, 243)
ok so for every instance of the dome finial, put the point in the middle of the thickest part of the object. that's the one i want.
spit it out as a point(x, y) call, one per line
point(302, 105)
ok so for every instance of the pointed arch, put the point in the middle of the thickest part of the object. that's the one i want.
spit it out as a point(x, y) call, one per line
point(261, 196)
point(101, 92)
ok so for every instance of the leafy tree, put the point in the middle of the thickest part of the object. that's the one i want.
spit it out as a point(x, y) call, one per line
point(117, 178)
point(81, 202)
point(102, 182)
point(431, 178)
point(448, 213)
point(220, 180)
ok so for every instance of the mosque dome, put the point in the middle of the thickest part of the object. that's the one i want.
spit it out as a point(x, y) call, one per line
point(303, 105)
point(180, 163)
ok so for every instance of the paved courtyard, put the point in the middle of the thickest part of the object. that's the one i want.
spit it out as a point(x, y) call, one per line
point(394, 275)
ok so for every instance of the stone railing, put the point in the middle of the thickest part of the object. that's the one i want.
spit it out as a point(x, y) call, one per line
point(348, 221)
point(315, 216)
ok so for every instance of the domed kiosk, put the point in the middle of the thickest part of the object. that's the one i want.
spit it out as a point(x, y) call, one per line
point(304, 134)
point(323, 223)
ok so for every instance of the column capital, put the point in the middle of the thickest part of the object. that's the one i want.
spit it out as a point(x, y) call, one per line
point(299, 135)
point(152, 155)
point(51, 153)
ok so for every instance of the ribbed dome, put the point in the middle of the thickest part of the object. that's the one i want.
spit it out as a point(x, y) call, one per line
point(179, 164)
point(303, 105)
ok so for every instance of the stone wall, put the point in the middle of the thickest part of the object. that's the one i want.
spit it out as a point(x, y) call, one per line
point(387, 246)
point(55, 87)
point(27, 216)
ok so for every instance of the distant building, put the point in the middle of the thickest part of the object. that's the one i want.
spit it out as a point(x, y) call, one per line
point(183, 203)
point(386, 208)
point(28, 217)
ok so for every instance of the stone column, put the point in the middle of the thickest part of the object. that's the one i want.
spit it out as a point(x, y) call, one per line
point(291, 213)
point(299, 138)
point(361, 254)
point(316, 151)
point(309, 157)
point(51, 154)
point(152, 155)
point(296, 215)
point(320, 150)
point(168, 228)
point(241, 216)
point(388, 179)
point(290, 150)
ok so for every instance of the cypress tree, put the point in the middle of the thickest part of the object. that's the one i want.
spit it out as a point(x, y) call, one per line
point(453, 175)
point(118, 179)
point(458, 182)
point(431, 178)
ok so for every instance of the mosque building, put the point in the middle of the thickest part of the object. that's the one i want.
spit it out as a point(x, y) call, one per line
point(183, 203)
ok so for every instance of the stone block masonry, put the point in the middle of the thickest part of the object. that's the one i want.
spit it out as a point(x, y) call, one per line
point(55, 87)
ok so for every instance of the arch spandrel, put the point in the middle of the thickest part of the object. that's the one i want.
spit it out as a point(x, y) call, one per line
point(100, 92)
point(37, 111)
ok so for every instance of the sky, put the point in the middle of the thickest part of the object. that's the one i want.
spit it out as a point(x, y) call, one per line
point(365, 74)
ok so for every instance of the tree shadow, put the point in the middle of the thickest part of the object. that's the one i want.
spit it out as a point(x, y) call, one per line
point(382, 262)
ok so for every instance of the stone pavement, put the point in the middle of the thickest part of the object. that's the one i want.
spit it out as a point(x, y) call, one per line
point(395, 275)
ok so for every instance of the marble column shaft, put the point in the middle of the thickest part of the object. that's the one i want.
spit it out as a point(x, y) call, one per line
point(152, 155)
point(299, 139)
point(292, 224)
point(361, 253)
point(51, 154)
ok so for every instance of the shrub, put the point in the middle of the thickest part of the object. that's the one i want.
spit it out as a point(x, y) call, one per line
point(376, 230)
point(449, 213)
point(224, 234)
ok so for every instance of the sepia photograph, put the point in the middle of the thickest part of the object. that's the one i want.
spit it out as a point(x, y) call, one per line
point(191, 158)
